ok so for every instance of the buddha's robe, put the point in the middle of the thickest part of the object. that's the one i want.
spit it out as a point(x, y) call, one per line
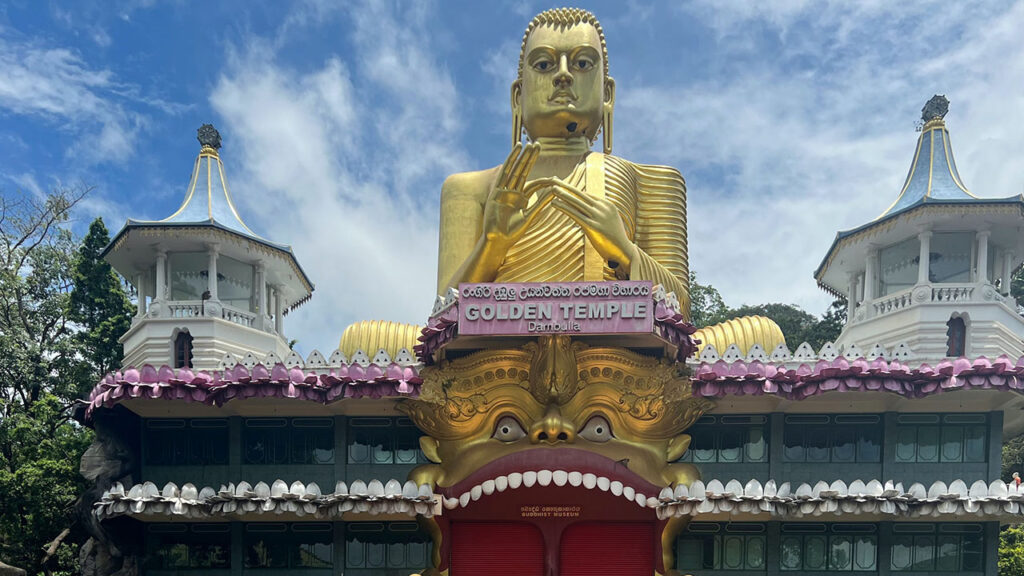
point(652, 203)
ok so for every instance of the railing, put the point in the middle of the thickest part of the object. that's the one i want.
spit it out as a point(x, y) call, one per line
point(238, 316)
point(185, 309)
point(893, 302)
point(947, 293)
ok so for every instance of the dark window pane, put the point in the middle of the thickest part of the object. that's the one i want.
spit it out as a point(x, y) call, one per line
point(924, 553)
point(906, 444)
point(407, 446)
point(756, 450)
point(755, 553)
point(865, 554)
point(972, 553)
point(266, 552)
point(815, 552)
point(869, 443)
point(840, 553)
point(792, 551)
point(927, 443)
point(902, 553)
point(732, 553)
point(793, 446)
point(974, 443)
point(844, 444)
point(816, 441)
point(702, 447)
point(952, 443)
point(947, 558)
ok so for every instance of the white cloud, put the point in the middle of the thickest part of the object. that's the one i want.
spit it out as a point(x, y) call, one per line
point(784, 151)
point(56, 84)
point(345, 163)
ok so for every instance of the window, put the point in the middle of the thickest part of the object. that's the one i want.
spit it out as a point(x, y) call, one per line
point(733, 546)
point(234, 282)
point(385, 545)
point(956, 337)
point(728, 439)
point(938, 548)
point(179, 442)
point(188, 547)
point(950, 258)
point(289, 441)
point(188, 275)
point(898, 266)
point(941, 438)
point(183, 350)
point(829, 548)
point(383, 441)
point(838, 438)
point(296, 546)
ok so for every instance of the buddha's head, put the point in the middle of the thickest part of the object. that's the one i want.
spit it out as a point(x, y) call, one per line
point(563, 89)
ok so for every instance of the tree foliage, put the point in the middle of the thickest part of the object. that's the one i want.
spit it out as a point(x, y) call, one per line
point(50, 356)
point(798, 326)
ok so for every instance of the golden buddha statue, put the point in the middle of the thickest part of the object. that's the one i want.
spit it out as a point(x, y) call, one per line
point(555, 210)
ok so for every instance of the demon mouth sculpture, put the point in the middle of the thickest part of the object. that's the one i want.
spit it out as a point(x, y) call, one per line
point(554, 433)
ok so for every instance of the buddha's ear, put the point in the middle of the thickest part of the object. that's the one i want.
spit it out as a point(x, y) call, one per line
point(516, 97)
point(609, 91)
point(677, 447)
point(429, 447)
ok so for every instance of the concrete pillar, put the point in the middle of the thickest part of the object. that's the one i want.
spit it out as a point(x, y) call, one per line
point(924, 261)
point(1007, 272)
point(259, 301)
point(213, 251)
point(983, 255)
point(860, 288)
point(851, 296)
point(870, 275)
point(278, 311)
point(161, 275)
point(140, 291)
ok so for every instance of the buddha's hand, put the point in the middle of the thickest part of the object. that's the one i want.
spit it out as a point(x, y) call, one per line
point(600, 221)
point(507, 211)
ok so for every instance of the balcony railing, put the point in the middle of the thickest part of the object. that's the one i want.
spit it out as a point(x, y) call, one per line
point(238, 316)
point(197, 309)
point(933, 294)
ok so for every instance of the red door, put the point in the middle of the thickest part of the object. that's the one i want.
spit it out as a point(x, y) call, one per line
point(604, 548)
point(493, 549)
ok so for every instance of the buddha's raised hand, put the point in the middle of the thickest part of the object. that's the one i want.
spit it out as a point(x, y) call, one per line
point(507, 211)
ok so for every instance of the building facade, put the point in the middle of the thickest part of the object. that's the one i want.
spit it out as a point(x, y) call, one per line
point(570, 423)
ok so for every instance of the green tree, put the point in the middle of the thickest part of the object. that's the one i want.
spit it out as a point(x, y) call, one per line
point(706, 303)
point(1011, 551)
point(99, 303)
point(42, 374)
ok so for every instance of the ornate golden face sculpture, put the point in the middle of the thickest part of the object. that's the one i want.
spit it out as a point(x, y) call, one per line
point(555, 394)
point(563, 89)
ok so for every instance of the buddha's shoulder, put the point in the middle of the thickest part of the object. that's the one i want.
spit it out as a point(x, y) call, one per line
point(466, 185)
point(647, 175)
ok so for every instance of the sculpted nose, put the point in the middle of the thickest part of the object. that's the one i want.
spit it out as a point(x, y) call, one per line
point(553, 428)
point(563, 78)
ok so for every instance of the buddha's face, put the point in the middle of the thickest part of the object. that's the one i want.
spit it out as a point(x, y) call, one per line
point(563, 91)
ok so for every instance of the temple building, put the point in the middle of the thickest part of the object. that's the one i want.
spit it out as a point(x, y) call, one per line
point(557, 414)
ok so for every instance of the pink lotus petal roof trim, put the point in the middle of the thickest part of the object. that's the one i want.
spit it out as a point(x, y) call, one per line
point(217, 387)
point(796, 382)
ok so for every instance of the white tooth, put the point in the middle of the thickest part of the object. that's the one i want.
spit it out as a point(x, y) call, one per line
point(451, 503)
point(616, 488)
point(603, 483)
point(476, 492)
point(652, 502)
point(501, 483)
point(529, 478)
point(488, 487)
point(641, 499)
point(544, 477)
point(515, 480)
point(560, 477)
point(464, 499)
point(629, 492)
point(589, 481)
point(575, 479)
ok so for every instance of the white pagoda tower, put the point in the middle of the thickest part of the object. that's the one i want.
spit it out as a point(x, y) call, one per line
point(207, 285)
point(934, 270)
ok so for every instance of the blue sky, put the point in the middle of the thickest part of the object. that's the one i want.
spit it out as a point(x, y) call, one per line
point(790, 120)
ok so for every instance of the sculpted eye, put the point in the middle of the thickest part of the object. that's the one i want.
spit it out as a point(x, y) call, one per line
point(542, 65)
point(596, 429)
point(583, 64)
point(508, 429)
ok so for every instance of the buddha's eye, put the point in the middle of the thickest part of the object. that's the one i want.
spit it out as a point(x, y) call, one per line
point(508, 429)
point(596, 429)
point(583, 64)
point(543, 65)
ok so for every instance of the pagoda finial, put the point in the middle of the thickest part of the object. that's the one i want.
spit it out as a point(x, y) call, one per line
point(209, 137)
point(935, 109)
